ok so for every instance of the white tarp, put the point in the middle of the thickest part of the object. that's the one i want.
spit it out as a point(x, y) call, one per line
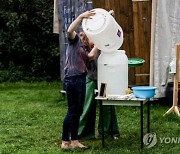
point(55, 18)
point(166, 35)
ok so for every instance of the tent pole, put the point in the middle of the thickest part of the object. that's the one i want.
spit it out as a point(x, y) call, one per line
point(153, 22)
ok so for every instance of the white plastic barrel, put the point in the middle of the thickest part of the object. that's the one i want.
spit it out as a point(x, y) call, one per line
point(103, 30)
point(113, 70)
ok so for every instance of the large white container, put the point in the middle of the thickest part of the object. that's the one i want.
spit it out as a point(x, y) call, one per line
point(113, 70)
point(103, 30)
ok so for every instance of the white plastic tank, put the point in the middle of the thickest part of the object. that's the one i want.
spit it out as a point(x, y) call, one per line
point(103, 30)
point(113, 70)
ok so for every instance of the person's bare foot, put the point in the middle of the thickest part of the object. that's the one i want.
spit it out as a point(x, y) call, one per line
point(65, 144)
point(77, 144)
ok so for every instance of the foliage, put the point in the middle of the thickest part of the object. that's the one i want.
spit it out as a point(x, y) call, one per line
point(27, 42)
point(31, 122)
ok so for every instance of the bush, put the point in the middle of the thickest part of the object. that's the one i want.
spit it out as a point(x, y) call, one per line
point(28, 47)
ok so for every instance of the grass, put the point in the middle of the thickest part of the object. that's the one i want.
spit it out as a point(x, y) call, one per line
point(31, 116)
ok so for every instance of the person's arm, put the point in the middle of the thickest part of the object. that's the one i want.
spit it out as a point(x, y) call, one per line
point(71, 30)
point(92, 55)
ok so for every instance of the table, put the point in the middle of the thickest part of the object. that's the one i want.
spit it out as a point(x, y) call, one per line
point(126, 102)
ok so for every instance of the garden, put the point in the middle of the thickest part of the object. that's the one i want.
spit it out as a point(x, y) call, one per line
point(32, 108)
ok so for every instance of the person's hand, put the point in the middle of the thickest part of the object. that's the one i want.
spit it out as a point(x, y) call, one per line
point(111, 12)
point(87, 14)
point(71, 30)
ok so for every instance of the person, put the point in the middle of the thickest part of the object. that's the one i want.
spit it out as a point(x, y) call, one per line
point(88, 118)
point(77, 58)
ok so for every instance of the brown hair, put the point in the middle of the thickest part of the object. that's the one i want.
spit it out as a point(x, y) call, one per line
point(84, 40)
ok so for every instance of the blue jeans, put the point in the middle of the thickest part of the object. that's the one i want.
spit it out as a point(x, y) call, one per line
point(75, 87)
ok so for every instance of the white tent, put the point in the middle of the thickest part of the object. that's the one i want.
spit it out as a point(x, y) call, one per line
point(165, 33)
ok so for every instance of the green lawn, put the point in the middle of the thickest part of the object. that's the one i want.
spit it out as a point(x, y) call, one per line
point(31, 116)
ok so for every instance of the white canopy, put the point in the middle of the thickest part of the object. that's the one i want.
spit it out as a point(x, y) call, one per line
point(165, 34)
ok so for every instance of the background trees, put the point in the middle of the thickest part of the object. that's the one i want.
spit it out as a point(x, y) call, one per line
point(28, 48)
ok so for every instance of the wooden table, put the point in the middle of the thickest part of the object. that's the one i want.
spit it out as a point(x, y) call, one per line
point(124, 102)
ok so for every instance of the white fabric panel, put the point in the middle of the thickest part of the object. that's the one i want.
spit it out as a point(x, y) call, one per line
point(167, 34)
point(55, 18)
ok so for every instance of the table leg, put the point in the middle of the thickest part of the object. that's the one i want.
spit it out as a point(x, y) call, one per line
point(102, 122)
point(141, 124)
point(111, 121)
point(148, 116)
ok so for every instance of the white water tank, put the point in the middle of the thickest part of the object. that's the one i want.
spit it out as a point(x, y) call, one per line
point(103, 30)
point(113, 70)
